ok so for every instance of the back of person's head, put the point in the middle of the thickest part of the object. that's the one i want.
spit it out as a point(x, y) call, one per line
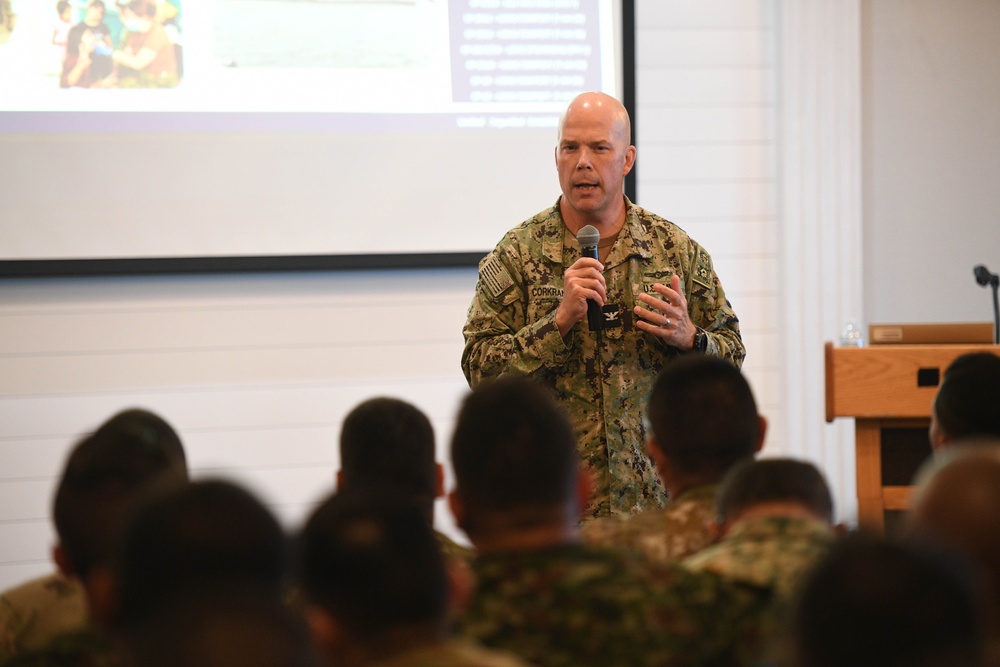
point(514, 453)
point(957, 505)
point(229, 627)
point(373, 564)
point(703, 415)
point(967, 400)
point(779, 481)
point(204, 534)
point(105, 472)
point(389, 443)
point(872, 603)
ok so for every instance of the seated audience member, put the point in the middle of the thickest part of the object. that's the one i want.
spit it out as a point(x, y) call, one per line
point(103, 474)
point(375, 584)
point(957, 506)
point(543, 595)
point(702, 420)
point(775, 520)
point(387, 443)
point(966, 402)
point(872, 603)
point(148, 58)
point(201, 575)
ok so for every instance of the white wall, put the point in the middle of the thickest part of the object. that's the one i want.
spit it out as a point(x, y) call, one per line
point(932, 158)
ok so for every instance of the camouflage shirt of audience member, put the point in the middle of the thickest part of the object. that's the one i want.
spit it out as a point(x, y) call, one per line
point(453, 654)
point(774, 552)
point(34, 612)
point(663, 535)
point(574, 606)
point(83, 648)
point(511, 328)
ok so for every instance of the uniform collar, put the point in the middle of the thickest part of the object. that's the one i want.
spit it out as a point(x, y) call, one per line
point(633, 239)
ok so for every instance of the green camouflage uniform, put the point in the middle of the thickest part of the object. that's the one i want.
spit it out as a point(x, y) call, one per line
point(453, 654)
point(511, 329)
point(574, 606)
point(34, 612)
point(663, 535)
point(767, 551)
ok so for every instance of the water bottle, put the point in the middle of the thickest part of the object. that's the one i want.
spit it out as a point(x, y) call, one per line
point(852, 335)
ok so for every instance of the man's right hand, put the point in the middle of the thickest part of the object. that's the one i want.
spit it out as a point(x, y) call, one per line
point(581, 281)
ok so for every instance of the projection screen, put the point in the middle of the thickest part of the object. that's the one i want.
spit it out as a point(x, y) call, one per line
point(285, 133)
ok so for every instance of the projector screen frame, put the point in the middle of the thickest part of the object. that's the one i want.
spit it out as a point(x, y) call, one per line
point(47, 268)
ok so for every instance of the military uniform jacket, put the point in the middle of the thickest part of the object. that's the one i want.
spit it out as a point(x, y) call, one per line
point(511, 329)
point(663, 535)
point(575, 606)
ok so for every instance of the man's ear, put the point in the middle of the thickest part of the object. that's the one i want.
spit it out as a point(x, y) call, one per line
point(326, 633)
point(457, 509)
point(340, 479)
point(438, 480)
point(62, 561)
point(761, 432)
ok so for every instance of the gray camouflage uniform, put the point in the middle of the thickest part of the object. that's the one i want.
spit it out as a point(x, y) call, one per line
point(511, 328)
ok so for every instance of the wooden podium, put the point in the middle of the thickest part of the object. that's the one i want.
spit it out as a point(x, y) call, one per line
point(888, 390)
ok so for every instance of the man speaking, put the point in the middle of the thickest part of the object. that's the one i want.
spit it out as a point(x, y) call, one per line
point(654, 291)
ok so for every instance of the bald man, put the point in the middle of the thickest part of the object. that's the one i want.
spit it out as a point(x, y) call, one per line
point(957, 505)
point(657, 290)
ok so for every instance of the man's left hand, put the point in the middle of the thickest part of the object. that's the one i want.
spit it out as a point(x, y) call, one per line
point(667, 317)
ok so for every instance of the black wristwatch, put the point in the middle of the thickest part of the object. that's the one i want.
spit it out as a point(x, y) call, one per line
point(700, 341)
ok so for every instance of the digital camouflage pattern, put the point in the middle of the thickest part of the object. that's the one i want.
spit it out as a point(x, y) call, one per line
point(511, 329)
point(662, 535)
point(453, 654)
point(34, 612)
point(775, 552)
point(574, 606)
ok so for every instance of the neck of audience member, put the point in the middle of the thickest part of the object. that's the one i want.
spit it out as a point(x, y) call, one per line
point(523, 530)
point(678, 482)
point(353, 652)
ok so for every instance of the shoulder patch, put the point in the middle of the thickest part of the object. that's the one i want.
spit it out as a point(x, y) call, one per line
point(494, 276)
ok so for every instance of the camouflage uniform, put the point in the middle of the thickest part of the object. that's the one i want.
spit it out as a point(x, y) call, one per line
point(34, 612)
point(83, 648)
point(511, 329)
point(575, 606)
point(452, 653)
point(663, 535)
point(767, 551)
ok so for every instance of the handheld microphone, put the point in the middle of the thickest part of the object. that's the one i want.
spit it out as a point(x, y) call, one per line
point(984, 278)
point(588, 238)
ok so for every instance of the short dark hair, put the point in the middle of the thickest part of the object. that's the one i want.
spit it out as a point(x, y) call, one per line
point(968, 400)
point(205, 533)
point(373, 562)
point(62, 6)
point(513, 448)
point(703, 414)
point(752, 482)
point(387, 442)
point(873, 603)
point(106, 472)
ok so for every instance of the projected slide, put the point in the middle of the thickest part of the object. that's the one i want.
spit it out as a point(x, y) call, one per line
point(288, 127)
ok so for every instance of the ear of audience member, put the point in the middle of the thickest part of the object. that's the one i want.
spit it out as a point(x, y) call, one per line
point(966, 402)
point(702, 419)
point(542, 594)
point(957, 506)
point(205, 535)
point(775, 519)
point(872, 603)
point(374, 579)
